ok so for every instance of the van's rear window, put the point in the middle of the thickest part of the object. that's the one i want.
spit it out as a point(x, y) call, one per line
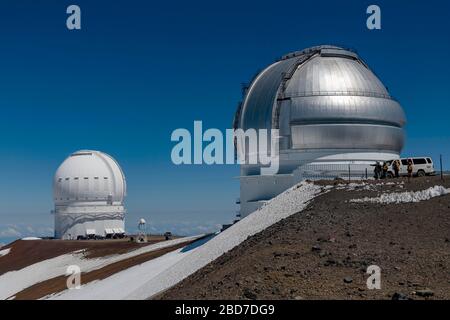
point(419, 161)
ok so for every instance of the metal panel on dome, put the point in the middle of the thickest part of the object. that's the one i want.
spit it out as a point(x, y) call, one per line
point(258, 104)
point(334, 52)
point(334, 76)
point(341, 109)
point(347, 136)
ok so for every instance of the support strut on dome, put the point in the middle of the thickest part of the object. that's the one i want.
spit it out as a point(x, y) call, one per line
point(286, 77)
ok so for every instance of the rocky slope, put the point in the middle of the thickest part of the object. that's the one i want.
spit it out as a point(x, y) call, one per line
point(324, 251)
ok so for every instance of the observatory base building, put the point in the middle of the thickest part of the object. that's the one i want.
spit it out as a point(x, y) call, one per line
point(89, 189)
point(333, 114)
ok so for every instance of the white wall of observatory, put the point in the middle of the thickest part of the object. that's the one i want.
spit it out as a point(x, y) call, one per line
point(89, 189)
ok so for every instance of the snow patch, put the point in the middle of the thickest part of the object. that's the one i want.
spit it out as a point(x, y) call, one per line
point(291, 201)
point(123, 283)
point(405, 197)
point(356, 186)
point(16, 281)
point(31, 238)
point(364, 186)
point(4, 252)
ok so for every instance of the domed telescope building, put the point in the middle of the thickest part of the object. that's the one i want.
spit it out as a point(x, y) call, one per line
point(89, 188)
point(335, 119)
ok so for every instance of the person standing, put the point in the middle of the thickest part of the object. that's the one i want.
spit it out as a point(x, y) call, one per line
point(377, 170)
point(410, 169)
point(396, 167)
point(385, 170)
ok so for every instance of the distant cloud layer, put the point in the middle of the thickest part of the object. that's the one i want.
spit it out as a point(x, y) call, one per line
point(9, 232)
point(19, 231)
point(183, 228)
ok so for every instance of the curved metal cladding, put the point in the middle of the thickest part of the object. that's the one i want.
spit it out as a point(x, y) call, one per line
point(261, 96)
point(324, 98)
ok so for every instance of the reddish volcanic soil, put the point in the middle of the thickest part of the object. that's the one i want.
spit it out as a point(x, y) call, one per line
point(24, 253)
point(324, 251)
point(58, 284)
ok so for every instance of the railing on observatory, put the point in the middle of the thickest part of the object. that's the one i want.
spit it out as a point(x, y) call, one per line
point(331, 171)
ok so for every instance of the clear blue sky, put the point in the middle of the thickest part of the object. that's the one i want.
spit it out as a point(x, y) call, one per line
point(139, 69)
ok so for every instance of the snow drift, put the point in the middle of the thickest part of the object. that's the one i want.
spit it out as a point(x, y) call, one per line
point(16, 281)
point(289, 202)
point(405, 197)
point(4, 252)
point(123, 283)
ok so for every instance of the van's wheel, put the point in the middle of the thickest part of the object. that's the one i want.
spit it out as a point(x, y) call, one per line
point(389, 175)
point(421, 173)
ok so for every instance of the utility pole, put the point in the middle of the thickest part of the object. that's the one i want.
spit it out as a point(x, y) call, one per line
point(440, 161)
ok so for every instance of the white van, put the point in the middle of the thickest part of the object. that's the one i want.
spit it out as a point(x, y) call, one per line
point(422, 166)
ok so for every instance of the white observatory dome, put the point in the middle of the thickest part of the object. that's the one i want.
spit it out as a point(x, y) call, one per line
point(89, 188)
point(88, 175)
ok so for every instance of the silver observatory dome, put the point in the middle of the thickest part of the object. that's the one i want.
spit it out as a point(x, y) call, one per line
point(329, 107)
point(323, 97)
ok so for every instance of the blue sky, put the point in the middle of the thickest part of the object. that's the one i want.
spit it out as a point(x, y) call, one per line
point(138, 70)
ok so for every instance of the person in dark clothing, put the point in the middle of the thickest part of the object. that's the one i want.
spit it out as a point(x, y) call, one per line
point(410, 169)
point(396, 167)
point(377, 170)
point(385, 170)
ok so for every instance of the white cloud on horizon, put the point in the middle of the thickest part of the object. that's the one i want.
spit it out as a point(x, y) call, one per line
point(10, 232)
point(182, 228)
point(20, 231)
